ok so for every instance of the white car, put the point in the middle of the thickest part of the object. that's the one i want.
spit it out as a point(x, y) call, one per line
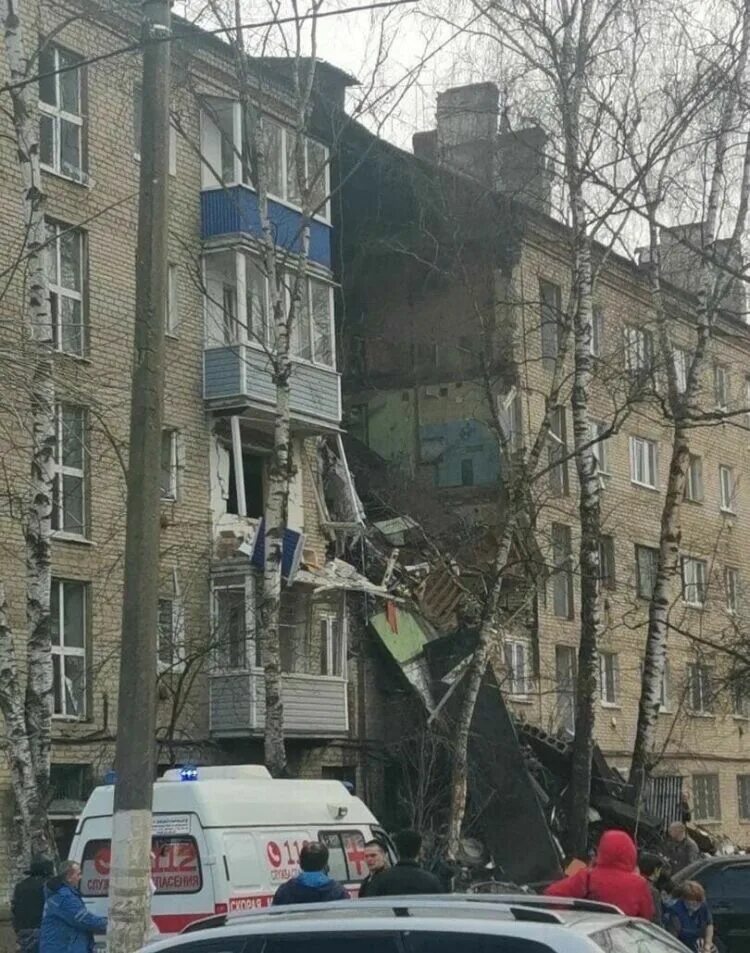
point(448, 924)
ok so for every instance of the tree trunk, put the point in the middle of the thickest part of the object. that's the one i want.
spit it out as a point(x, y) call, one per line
point(33, 753)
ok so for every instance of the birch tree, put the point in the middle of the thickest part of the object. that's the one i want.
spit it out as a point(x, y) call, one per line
point(683, 402)
point(27, 710)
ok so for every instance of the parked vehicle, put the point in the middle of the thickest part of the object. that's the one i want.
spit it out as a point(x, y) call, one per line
point(444, 924)
point(726, 881)
point(225, 840)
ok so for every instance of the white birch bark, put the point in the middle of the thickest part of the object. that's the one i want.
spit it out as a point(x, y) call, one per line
point(37, 516)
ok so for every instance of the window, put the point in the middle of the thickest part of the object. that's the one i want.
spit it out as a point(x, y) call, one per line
point(467, 472)
point(173, 300)
point(600, 447)
point(740, 699)
point(311, 331)
point(607, 562)
point(253, 478)
point(64, 264)
point(609, 677)
point(643, 461)
point(566, 666)
point(646, 564)
point(743, 796)
point(562, 579)
point(346, 855)
point(732, 588)
point(71, 466)
point(169, 464)
point(700, 691)
point(551, 307)
point(693, 581)
point(518, 663)
point(721, 386)
point(256, 296)
point(727, 490)
point(635, 937)
point(681, 367)
point(557, 453)
point(68, 623)
point(234, 621)
point(706, 803)
point(639, 349)
point(171, 635)
point(60, 113)
point(175, 867)
point(332, 660)
point(597, 332)
point(694, 479)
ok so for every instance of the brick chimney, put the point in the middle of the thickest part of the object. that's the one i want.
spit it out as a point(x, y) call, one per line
point(467, 118)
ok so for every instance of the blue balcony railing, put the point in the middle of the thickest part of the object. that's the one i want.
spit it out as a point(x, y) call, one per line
point(234, 211)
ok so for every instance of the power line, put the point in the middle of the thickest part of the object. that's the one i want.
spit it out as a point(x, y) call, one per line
point(274, 21)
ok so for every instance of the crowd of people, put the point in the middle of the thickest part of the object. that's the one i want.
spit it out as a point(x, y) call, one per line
point(641, 886)
point(49, 915)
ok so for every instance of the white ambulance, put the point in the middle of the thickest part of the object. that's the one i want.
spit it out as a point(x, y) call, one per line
point(224, 838)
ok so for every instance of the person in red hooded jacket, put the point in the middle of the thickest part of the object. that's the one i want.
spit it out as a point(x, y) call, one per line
point(612, 879)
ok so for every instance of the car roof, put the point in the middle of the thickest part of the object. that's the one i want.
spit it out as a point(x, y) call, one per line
point(722, 860)
point(513, 915)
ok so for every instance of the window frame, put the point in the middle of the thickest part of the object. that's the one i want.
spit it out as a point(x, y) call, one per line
point(693, 492)
point(727, 489)
point(520, 687)
point(699, 688)
point(600, 448)
point(172, 495)
point(731, 589)
point(176, 635)
point(562, 572)
point(654, 552)
point(327, 622)
point(172, 322)
point(609, 672)
point(714, 795)
point(57, 115)
point(557, 453)
point(63, 651)
point(701, 585)
point(55, 230)
point(251, 661)
point(61, 471)
point(650, 457)
point(681, 361)
point(549, 319)
point(597, 331)
point(743, 798)
point(721, 385)
point(607, 560)
point(639, 349)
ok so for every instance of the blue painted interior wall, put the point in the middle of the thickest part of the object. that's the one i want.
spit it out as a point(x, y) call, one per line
point(458, 449)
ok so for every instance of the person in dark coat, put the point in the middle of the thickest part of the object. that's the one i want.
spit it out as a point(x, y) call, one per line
point(407, 877)
point(377, 863)
point(650, 866)
point(312, 885)
point(67, 926)
point(27, 904)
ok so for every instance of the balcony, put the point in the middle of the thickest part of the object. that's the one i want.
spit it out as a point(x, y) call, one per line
point(239, 375)
point(234, 211)
point(315, 706)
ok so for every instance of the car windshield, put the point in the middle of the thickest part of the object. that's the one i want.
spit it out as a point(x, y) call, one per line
point(636, 938)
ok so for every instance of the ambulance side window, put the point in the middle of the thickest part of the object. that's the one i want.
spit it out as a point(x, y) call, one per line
point(241, 855)
point(346, 854)
point(175, 867)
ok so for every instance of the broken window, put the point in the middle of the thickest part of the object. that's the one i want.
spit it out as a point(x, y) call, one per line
point(253, 467)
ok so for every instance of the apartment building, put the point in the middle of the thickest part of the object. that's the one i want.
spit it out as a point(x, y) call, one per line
point(458, 284)
point(219, 410)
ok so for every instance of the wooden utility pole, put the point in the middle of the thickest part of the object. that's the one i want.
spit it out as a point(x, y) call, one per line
point(129, 886)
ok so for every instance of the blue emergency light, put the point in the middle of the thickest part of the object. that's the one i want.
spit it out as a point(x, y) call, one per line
point(188, 772)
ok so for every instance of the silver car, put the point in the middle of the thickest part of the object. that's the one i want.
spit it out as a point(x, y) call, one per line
point(449, 924)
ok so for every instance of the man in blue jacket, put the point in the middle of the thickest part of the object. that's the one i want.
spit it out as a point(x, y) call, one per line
point(67, 926)
point(313, 885)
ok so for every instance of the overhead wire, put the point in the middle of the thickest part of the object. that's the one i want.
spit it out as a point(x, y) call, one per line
point(132, 47)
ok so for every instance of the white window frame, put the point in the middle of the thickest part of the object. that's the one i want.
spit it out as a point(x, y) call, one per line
point(600, 448)
point(732, 589)
point(727, 489)
point(609, 678)
point(54, 231)
point(702, 796)
point(652, 550)
point(681, 367)
point(172, 495)
point(62, 471)
point(743, 797)
point(177, 630)
point(700, 677)
point(721, 386)
point(698, 584)
point(327, 621)
point(597, 332)
point(517, 654)
point(63, 651)
point(647, 452)
point(694, 479)
point(740, 702)
point(639, 349)
point(246, 585)
point(58, 115)
point(173, 300)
